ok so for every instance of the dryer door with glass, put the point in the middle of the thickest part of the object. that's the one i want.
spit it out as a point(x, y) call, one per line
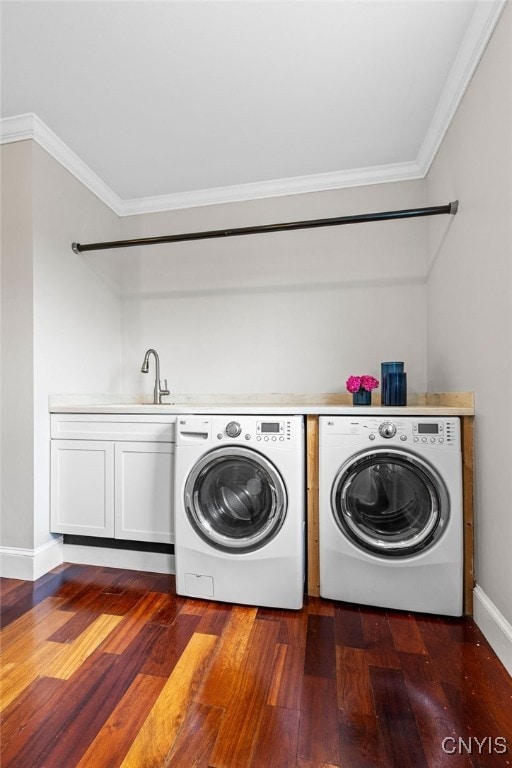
point(390, 503)
point(235, 499)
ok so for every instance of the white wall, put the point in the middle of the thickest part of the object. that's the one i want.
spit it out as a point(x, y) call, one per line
point(469, 298)
point(284, 312)
point(77, 318)
point(61, 324)
point(17, 360)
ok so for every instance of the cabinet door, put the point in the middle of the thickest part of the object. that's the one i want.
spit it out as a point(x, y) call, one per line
point(144, 480)
point(82, 487)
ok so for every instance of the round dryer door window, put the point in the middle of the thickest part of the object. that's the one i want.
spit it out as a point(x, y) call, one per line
point(235, 499)
point(390, 503)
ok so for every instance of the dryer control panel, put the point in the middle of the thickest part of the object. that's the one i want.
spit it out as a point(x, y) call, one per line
point(418, 432)
point(434, 432)
point(423, 432)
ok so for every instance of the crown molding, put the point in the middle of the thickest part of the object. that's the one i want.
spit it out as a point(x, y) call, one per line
point(481, 27)
point(482, 24)
point(30, 126)
point(277, 188)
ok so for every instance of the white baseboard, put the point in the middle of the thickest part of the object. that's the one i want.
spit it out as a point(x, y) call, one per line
point(495, 627)
point(119, 558)
point(30, 564)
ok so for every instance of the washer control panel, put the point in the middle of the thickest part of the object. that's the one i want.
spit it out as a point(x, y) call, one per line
point(273, 430)
point(266, 430)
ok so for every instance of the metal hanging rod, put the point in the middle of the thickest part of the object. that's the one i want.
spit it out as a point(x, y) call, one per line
point(408, 213)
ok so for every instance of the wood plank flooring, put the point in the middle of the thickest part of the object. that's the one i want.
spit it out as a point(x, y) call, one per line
point(104, 667)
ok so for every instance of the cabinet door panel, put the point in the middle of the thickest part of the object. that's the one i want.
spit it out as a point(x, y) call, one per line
point(82, 487)
point(144, 475)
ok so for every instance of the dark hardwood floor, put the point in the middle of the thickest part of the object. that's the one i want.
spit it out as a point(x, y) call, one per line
point(104, 667)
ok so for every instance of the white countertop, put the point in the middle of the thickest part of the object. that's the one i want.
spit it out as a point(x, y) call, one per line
point(263, 409)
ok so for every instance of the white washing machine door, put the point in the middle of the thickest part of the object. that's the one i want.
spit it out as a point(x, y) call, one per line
point(235, 499)
point(390, 503)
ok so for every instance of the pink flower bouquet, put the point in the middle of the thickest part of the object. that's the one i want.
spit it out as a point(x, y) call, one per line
point(356, 383)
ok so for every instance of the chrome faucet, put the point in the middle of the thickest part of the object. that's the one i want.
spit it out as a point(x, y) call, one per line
point(158, 391)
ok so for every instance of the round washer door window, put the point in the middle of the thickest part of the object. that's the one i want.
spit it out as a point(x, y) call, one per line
point(390, 503)
point(235, 499)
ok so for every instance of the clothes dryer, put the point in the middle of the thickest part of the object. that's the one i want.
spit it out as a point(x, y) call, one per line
point(390, 512)
point(240, 509)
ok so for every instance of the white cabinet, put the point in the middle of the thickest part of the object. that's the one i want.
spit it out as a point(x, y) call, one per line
point(112, 476)
point(82, 487)
point(144, 491)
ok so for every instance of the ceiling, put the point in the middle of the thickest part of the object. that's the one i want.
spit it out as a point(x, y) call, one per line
point(169, 103)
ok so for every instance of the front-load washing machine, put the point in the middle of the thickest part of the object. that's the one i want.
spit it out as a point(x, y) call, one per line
point(240, 509)
point(390, 512)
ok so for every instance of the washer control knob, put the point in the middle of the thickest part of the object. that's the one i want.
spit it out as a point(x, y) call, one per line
point(233, 429)
point(371, 436)
point(387, 429)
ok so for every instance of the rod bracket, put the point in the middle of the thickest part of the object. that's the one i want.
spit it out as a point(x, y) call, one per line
point(75, 247)
point(454, 207)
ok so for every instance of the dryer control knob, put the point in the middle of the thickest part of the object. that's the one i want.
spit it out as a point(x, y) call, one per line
point(387, 429)
point(233, 429)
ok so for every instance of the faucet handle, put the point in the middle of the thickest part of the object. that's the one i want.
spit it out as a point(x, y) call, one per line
point(164, 391)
